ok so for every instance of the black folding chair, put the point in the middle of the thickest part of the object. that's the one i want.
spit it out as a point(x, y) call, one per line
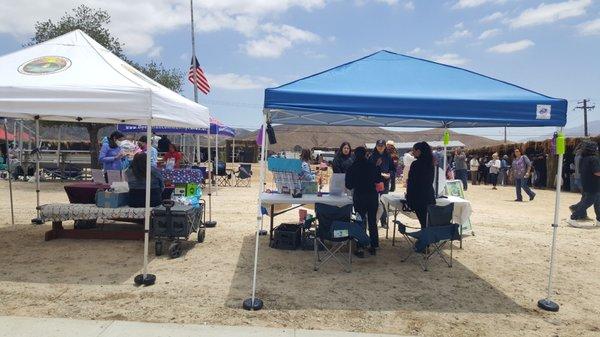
point(243, 175)
point(332, 226)
point(223, 177)
point(432, 239)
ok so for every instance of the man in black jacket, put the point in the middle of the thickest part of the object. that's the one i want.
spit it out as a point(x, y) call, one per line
point(589, 169)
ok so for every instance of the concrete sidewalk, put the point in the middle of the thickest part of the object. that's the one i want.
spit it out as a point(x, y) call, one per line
point(61, 327)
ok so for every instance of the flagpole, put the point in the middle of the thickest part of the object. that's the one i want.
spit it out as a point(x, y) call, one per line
point(210, 222)
point(193, 46)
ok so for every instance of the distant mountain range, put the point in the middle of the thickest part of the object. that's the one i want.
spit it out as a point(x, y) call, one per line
point(290, 136)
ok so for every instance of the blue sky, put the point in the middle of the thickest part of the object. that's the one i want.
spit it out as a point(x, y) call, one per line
point(244, 46)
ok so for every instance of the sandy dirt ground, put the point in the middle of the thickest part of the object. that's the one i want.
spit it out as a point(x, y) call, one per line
point(492, 290)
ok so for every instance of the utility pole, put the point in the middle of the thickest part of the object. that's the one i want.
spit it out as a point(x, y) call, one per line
point(505, 135)
point(585, 107)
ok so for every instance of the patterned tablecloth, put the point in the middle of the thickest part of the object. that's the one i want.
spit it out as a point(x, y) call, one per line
point(183, 176)
point(64, 212)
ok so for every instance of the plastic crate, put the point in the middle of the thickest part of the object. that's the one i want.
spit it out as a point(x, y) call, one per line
point(286, 236)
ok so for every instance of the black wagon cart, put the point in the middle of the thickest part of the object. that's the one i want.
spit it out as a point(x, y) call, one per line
point(174, 223)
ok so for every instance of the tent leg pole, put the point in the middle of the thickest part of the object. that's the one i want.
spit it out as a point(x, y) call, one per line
point(210, 222)
point(547, 303)
point(37, 220)
point(217, 160)
point(254, 303)
point(12, 207)
point(263, 153)
point(144, 278)
point(198, 150)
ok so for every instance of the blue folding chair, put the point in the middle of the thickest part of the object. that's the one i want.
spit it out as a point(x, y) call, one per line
point(431, 240)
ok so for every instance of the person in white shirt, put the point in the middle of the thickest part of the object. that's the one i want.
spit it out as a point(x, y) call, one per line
point(474, 169)
point(407, 160)
point(494, 166)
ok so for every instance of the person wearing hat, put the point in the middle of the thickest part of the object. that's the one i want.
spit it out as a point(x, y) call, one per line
point(589, 170)
point(143, 144)
point(382, 159)
point(390, 146)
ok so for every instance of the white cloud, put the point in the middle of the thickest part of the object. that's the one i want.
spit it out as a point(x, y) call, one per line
point(492, 17)
point(590, 27)
point(451, 59)
point(511, 47)
point(279, 38)
point(151, 18)
point(459, 33)
point(387, 2)
point(549, 13)
point(489, 33)
point(409, 6)
point(416, 51)
point(231, 81)
point(474, 3)
point(155, 52)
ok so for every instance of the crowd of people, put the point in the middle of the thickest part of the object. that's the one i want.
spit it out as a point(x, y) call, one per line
point(369, 174)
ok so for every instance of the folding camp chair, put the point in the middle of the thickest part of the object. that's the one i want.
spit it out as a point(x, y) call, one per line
point(243, 175)
point(223, 177)
point(431, 240)
point(332, 226)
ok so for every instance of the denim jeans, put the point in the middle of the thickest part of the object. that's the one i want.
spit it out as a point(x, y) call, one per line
point(587, 199)
point(522, 183)
point(462, 176)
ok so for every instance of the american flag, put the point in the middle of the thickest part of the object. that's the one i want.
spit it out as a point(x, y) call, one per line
point(196, 76)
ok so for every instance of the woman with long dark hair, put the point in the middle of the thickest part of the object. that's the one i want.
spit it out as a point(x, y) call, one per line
point(136, 178)
point(111, 153)
point(361, 178)
point(306, 174)
point(343, 159)
point(419, 188)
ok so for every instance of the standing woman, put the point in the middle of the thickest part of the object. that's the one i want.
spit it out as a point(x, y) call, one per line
point(382, 159)
point(391, 148)
point(343, 159)
point(522, 170)
point(111, 153)
point(419, 188)
point(494, 166)
point(361, 178)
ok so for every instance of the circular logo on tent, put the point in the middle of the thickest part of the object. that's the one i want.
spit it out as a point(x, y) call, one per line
point(45, 65)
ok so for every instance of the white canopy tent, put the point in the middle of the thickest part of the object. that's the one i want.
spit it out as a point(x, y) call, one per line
point(73, 78)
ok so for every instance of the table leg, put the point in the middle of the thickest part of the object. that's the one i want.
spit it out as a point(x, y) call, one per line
point(55, 232)
point(394, 233)
point(387, 228)
point(272, 216)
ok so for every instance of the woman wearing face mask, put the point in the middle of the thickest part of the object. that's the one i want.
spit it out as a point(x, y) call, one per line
point(343, 159)
point(111, 153)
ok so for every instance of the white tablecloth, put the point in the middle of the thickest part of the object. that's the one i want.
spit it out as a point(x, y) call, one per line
point(282, 201)
point(462, 208)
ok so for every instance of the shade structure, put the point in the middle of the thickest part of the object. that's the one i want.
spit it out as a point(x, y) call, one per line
point(216, 127)
point(74, 78)
point(394, 90)
point(389, 89)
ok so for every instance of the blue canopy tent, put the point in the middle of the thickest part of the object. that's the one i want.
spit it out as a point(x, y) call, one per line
point(393, 90)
